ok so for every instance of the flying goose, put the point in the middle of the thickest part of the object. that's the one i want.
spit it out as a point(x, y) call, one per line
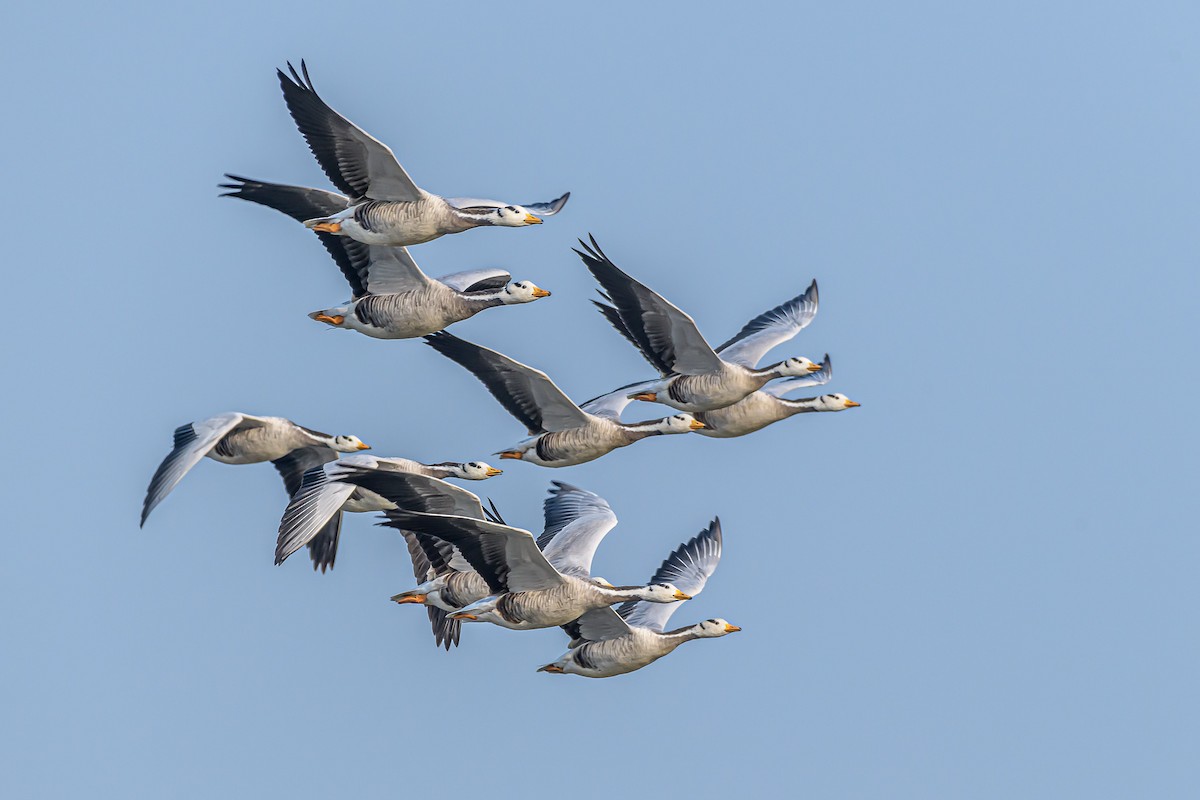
point(392, 297)
point(694, 376)
point(235, 438)
point(561, 433)
point(528, 591)
point(768, 405)
point(605, 643)
point(387, 207)
point(321, 496)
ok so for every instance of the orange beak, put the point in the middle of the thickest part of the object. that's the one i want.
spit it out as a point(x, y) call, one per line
point(409, 598)
point(732, 629)
point(697, 425)
point(540, 293)
point(852, 404)
point(530, 219)
point(493, 472)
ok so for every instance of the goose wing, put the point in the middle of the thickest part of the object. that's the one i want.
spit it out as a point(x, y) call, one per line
point(781, 387)
point(478, 205)
point(612, 404)
point(192, 443)
point(597, 625)
point(687, 568)
point(526, 393)
point(477, 280)
point(315, 508)
point(576, 521)
point(356, 162)
point(391, 270)
point(301, 203)
point(414, 492)
point(667, 337)
point(293, 466)
point(446, 631)
point(771, 328)
point(507, 558)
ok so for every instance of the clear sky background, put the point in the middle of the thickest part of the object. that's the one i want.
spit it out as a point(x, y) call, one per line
point(980, 584)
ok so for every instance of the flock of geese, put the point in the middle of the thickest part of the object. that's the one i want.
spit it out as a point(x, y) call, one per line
point(469, 565)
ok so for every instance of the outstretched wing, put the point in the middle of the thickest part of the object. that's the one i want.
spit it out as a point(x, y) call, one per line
point(667, 337)
point(771, 328)
point(477, 280)
point(314, 505)
point(192, 443)
point(356, 162)
point(414, 492)
point(526, 393)
point(576, 521)
point(687, 568)
point(597, 625)
point(391, 270)
point(479, 204)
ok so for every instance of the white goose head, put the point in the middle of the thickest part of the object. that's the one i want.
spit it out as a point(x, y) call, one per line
point(473, 471)
point(796, 367)
point(662, 593)
point(514, 217)
point(678, 423)
point(521, 292)
point(835, 402)
point(348, 444)
point(712, 628)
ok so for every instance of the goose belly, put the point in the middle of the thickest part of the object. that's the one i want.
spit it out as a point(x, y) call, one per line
point(747, 416)
point(575, 446)
point(617, 656)
point(394, 223)
point(707, 392)
point(364, 500)
point(549, 608)
point(254, 445)
point(407, 315)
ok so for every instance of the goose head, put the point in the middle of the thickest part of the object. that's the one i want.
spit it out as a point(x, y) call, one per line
point(835, 402)
point(348, 444)
point(679, 423)
point(712, 628)
point(796, 367)
point(662, 593)
point(473, 471)
point(514, 217)
point(522, 292)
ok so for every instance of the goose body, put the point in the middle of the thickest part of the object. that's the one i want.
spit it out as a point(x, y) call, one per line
point(530, 586)
point(388, 208)
point(767, 406)
point(392, 298)
point(561, 433)
point(694, 376)
point(322, 496)
point(605, 643)
point(236, 438)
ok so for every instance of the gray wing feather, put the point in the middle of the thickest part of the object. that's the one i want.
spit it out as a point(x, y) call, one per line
point(318, 500)
point(526, 393)
point(547, 209)
point(612, 404)
point(414, 492)
point(781, 387)
point(192, 443)
point(293, 466)
point(687, 568)
point(771, 328)
point(666, 335)
point(391, 270)
point(356, 162)
point(576, 522)
point(597, 625)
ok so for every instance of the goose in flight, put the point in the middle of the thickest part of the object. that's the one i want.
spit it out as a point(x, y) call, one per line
point(235, 438)
point(561, 433)
point(605, 643)
point(321, 496)
point(768, 405)
point(392, 298)
point(387, 207)
point(695, 377)
point(532, 587)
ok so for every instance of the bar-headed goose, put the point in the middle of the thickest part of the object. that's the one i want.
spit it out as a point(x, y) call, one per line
point(694, 376)
point(392, 298)
point(322, 496)
point(561, 433)
point(235, 438)
point(606, 642)
point(768, 405)
point(388, 207)
point(528, 591)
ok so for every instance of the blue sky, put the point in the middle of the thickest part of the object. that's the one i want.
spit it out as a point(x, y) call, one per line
point(980, 584)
